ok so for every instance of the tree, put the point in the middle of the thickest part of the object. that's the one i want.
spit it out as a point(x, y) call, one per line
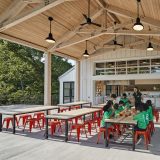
point(22, 74)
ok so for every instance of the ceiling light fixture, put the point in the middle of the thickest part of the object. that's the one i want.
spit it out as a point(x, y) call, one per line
point(85, 54)
point(138, 26)
point(50, 38)
point(150, 47)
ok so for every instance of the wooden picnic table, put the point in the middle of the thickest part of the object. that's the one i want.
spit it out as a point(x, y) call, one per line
point(69, 115)
point(14, 110)
point(79, 103)
point(121, 120)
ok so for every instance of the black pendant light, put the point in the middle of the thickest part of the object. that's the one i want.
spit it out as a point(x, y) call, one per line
point(138, 26)
point(150, 47)
point(50, 38)
point(85, 54)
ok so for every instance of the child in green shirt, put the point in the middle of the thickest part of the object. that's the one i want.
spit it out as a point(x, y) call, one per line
point(141, 119)
point(116, 110)
point(150, 109)
point(121, 106)
point(124, 99)
point(108, 112)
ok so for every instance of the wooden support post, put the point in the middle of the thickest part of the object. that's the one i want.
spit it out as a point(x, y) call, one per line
point(77, 82)
point(47, 79)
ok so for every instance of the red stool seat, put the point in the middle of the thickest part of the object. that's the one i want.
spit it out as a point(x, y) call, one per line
point(78, 128)
point(40, 116)
point(9, 120)
point(24, 118)
point(55, 124)
point(32, 122)
point(103, 130)
point(146, 137)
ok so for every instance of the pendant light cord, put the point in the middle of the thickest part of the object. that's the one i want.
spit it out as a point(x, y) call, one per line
point(138, 2)
point(50, 26)
point(89, 8)
point(86, 44)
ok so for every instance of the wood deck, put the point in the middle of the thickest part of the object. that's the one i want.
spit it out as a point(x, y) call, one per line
point(33, 146)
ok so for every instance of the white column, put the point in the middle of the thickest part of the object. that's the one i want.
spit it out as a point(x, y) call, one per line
point(47, 79)
point(77, 82)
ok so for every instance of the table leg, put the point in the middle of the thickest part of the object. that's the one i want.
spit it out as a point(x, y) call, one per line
point(84, 118)
point(81, 105)
point(59, 110)
point(14, 124)
point(133, 140)
point(106, 138)
point(66, 130)
point(0, 122)
point(46, 134)
point(47, 112)
point(90, 104)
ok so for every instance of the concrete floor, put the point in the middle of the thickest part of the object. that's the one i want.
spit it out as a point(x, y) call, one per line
point(33, 146)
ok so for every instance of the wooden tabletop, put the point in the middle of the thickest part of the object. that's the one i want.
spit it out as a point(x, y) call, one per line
point(72, 114)
point(22, 109)
point(99, 105)
point(122, 120)
point(73, 104)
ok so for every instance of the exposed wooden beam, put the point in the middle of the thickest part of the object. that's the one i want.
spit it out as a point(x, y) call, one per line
point(13, 10)
point(68, 35)
point(103, 4)
point(29, 14)
point(22, 42)
point(109, 32)
point(64, 55)
point(125, 13)
point(153, 40)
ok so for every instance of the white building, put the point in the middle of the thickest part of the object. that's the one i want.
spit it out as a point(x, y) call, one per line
point(67, 89)
point(116, 72)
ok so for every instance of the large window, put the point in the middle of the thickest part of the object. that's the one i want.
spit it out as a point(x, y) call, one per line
point(142, 66)
point(68, 92)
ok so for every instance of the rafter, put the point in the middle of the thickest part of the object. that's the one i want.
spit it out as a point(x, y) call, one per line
point(103, 5)
point(73, 32)
point(129, 14)
point(22, 42)
point(29, 14)
point(13, 10)
point(109, 32)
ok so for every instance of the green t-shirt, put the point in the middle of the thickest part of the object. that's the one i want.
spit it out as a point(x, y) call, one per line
point(106, 115)
point(116, 112)
point(141, 120)
point(147, 117)
point(150, 112)
point(121, 108)
point(125, 100)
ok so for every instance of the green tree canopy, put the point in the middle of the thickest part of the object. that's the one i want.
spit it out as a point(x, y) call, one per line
point(22, 74)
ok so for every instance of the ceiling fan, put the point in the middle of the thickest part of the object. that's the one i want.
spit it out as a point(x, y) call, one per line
point(115, 43)
point(88, 19)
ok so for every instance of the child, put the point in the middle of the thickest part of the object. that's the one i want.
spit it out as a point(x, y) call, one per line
point(121, 106)
point(141, 119)
point(145, 107)
point(150, 109)
point(108, 112)
point(113, 98)
point(124, 99)
point(116, 110)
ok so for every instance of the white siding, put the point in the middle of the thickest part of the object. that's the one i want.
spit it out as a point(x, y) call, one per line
point(87, 80)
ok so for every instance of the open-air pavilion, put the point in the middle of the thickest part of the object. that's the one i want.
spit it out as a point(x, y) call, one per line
point(116, 31)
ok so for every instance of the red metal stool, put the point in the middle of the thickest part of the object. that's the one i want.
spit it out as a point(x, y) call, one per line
point(32, 122)
point(151, 127)
point(146, 137)
point(24, 118)
point(78, 128)
point(103, 130)
point(55, 124)
point(156, 114)
point(40, 116)
point(8, 120)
